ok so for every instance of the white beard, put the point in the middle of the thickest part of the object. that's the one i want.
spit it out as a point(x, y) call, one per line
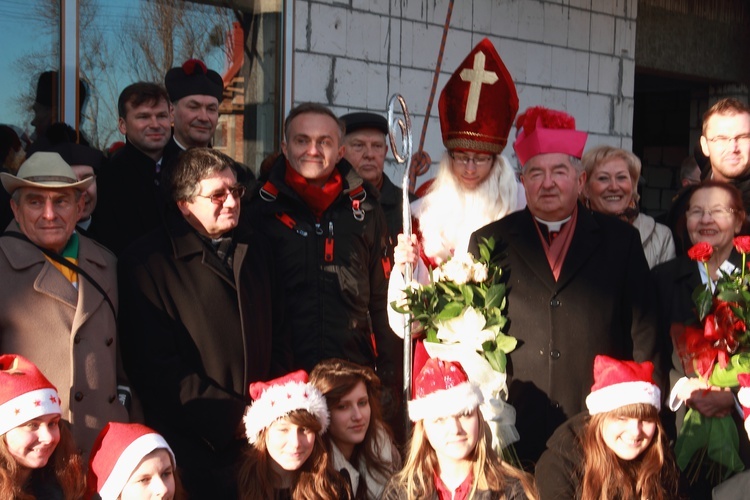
point(448, 214)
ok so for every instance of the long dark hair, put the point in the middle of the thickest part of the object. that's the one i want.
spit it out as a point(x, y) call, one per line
point(336, 378)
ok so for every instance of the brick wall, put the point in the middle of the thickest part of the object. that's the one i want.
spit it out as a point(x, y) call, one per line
point(576, 55)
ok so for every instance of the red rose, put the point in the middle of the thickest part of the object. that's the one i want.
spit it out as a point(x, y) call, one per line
point(701, 252)
point(742, 244)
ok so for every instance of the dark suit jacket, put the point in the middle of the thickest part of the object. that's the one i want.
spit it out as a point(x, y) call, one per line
point(602, 304)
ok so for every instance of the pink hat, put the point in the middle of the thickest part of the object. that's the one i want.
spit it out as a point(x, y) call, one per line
point(442, 389)
point(25, 393)
point(278, 398)
point(542, 130)
point(479, 102)
point(621, 383)
point(117, 451)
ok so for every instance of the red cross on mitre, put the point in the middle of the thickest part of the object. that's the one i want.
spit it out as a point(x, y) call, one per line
point(37, 402)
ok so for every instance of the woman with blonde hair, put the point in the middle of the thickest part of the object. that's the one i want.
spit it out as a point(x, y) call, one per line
point(358, 440)
point(38, 458)
point(450, 456)
point(618, 449)
point(612, 188)
point(287, 458)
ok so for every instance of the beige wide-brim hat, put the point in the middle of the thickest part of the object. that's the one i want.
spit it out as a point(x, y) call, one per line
point(44, 170)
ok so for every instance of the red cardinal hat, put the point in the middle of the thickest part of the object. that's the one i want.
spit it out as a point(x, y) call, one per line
point(621, 383)
point(479, 103)
point(542, 130)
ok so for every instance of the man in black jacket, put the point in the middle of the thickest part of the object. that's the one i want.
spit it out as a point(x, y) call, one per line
point(129, 201)
point(200, 320)
point(328, 235)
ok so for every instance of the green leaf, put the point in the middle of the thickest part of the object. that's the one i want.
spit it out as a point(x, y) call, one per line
point(496, 359)
point(495, 296)
point(450, 311)
point(505, 343)
point(703, 301)
point(727, 377)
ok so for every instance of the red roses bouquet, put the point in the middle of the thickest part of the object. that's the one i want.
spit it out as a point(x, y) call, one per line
point(717, 351)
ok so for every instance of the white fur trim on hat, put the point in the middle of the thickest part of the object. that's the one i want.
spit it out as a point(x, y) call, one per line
point(448, 402)
point(743, 396)
point(280, 400)
point(616, 396)
point(28, 406)
point(129, 460)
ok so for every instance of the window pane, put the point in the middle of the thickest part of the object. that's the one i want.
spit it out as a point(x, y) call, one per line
point(30, 38)
point(124, 41)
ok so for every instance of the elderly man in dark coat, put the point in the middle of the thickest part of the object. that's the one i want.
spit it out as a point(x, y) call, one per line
point(201, 319)
point(579, 283)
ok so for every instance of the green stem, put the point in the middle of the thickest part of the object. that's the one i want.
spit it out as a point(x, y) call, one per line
point(743, 265)
point(709, 281)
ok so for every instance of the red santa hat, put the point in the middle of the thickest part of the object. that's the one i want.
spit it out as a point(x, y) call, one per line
point(25, 393)
point(442, 389)
point(621, 383)
point(117, 451)
point(743, 396)
point(479, 102)
point(278, 398)
point(542, 130)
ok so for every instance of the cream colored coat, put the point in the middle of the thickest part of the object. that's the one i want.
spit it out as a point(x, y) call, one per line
point(69, 334)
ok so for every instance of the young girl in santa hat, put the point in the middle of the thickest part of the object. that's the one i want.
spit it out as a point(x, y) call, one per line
point(358, 441)
point(287, 459)
point(619, 448)
point(38, 458)
point(450, 454)
point(132, 462)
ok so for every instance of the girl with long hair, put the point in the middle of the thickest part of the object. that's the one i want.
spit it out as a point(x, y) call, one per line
point(38, 458)
point(287, 458)
point(359, 442)
point(132, 462)
point(450, 454)
point(618, 450)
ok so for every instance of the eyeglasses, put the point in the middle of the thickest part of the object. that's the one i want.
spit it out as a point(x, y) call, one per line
point(714, 213)
point(479, 160)
point(722, 141)
point(237, 192)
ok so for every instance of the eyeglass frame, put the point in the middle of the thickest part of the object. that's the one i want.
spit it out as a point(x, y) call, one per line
point(464, 162)
point(723, 142)
point(237, 193)
point(693, 213)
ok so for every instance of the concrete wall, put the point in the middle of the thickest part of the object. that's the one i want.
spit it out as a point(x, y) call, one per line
point(575, 55)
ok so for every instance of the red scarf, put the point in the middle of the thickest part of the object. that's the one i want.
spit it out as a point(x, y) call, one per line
point(316, 198)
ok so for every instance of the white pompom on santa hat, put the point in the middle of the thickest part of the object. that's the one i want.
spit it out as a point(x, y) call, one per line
point(620, 383)
point(25, 393)
point(743, 396)
point(116, 453)
point(278, 398)
point(442, 389)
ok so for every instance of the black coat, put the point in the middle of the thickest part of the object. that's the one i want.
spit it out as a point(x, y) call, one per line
point(335, 305)
point(391, 200)
point(601, 304)
point(130, 203)
point(192, 341)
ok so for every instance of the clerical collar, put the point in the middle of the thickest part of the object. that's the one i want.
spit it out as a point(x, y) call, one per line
point(553, 226)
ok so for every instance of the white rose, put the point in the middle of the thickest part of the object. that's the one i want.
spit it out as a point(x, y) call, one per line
point(479, 272)
point(458, 270)
point(466, 328)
